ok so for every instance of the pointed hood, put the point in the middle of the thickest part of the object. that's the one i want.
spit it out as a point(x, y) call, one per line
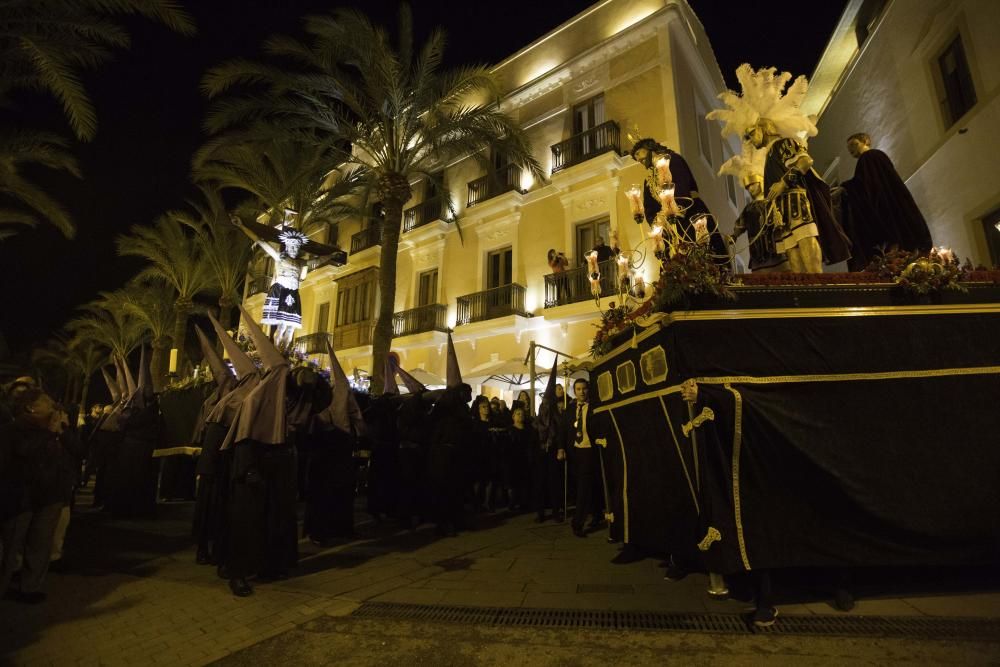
point(343, 412)
point(389, 386)
point(269, 354)
point(454, 376)
point(113, 389)
point(219, 371)
point(145, 387)
point(546, 423)
point(413, 385)
point(241, 362)
point(120, 379)
point(129, 379)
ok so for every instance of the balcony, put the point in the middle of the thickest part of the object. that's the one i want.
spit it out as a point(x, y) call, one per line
point(313, 343)
point(432, 317)
point(492, 303)
point(346, 336)
point(574, 285)
point(494, 184)
point(369, 237)
point(259, 285)
point(604, 138)
point(422, 213)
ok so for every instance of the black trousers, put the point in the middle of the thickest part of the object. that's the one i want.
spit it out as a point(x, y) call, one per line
point(546, 481)
point(589, 496)
point(262, 498)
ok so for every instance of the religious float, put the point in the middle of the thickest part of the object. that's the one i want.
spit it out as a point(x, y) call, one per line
point(831, 420)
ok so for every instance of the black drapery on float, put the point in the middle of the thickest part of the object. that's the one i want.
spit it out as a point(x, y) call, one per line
point(835, 437)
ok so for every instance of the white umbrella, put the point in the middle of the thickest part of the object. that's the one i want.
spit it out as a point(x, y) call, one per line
point(513, 372)
point(427, 378)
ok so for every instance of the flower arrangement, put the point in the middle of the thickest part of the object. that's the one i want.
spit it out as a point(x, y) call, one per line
point(614, 321)
point(689, 273)
point(922, 273)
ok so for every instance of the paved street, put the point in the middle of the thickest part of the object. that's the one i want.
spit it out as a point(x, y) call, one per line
point(131, 593)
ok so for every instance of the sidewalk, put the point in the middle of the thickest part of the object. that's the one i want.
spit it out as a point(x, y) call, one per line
point(132, 592)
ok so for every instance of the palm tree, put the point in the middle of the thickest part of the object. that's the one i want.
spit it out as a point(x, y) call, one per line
point(22, 202)
point(106, 322)
point(45, 44)
point(152, 305)
point(386, 112)
point(175, 259)
point(224, 247)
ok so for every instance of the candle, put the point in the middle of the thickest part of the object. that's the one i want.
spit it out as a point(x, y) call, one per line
point(700, 225)
point(657, 236)
point(634, 194)
point(667, 200)
point(173, 361)
point(639, 288)
point(622, 262)
point(663, 169)
point(947, 256)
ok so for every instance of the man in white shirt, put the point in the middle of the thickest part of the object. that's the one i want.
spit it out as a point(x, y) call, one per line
point(583, 454)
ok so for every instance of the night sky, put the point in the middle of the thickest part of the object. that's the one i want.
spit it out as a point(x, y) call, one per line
point(150, 109)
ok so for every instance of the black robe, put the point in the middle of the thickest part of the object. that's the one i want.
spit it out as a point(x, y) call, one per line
point(684, 185)
point(763, 253)
point(879, 211)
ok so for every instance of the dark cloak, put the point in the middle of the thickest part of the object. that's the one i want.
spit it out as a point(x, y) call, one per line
point(879, 211)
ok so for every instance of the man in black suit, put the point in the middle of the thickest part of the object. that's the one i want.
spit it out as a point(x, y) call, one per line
point(582, 441)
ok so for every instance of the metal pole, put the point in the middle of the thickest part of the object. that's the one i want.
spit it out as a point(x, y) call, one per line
point(531, 378)
point(608, 514)
point(694, 446)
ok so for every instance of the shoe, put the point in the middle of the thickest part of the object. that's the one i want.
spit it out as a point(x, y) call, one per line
point(674, 572)
point(843, 600)
point(240, 587)
point(578, 532)
point(763, 617)
point(201, 557)
point(222, 571)
point(627, 555)
point(28, 598)
point(614, 540)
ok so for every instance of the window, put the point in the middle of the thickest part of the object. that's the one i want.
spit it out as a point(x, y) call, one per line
point(499, 268)
point(358, 297)
point(626, 377)
point(587, 116)
point(991, 226)
point(587, 235)
point(956, 83)
point(332, 231)
point(375, 217)
point(705, 133)
point(323, 317)
point(427, 288)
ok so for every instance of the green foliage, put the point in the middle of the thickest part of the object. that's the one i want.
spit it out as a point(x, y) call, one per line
point(688, 274)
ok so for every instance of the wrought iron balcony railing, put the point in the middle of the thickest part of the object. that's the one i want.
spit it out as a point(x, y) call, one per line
point(574, 285)
point(368, 237)
point(494, 183)
point(432, 317)
point(422, 213)
point(313, 343)
point(603, 138)
point(491, 303)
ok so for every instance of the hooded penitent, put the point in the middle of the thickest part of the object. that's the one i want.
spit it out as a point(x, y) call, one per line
point(113, 389)
point(143, 394)
point(247, 376)
point(224, 383)
point(129, 380)
point(261, 416)
point(454, 375)
point(343, 413)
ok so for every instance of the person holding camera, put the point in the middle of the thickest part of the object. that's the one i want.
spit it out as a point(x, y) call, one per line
point(558, 264)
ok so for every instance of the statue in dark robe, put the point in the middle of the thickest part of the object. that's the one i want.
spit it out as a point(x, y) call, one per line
point(878, 210)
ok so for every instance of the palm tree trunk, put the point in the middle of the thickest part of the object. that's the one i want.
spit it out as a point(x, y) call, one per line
point(182, 308)
point(156, 363)
point(225, 311)
point(83, 394)
point(396, 191)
